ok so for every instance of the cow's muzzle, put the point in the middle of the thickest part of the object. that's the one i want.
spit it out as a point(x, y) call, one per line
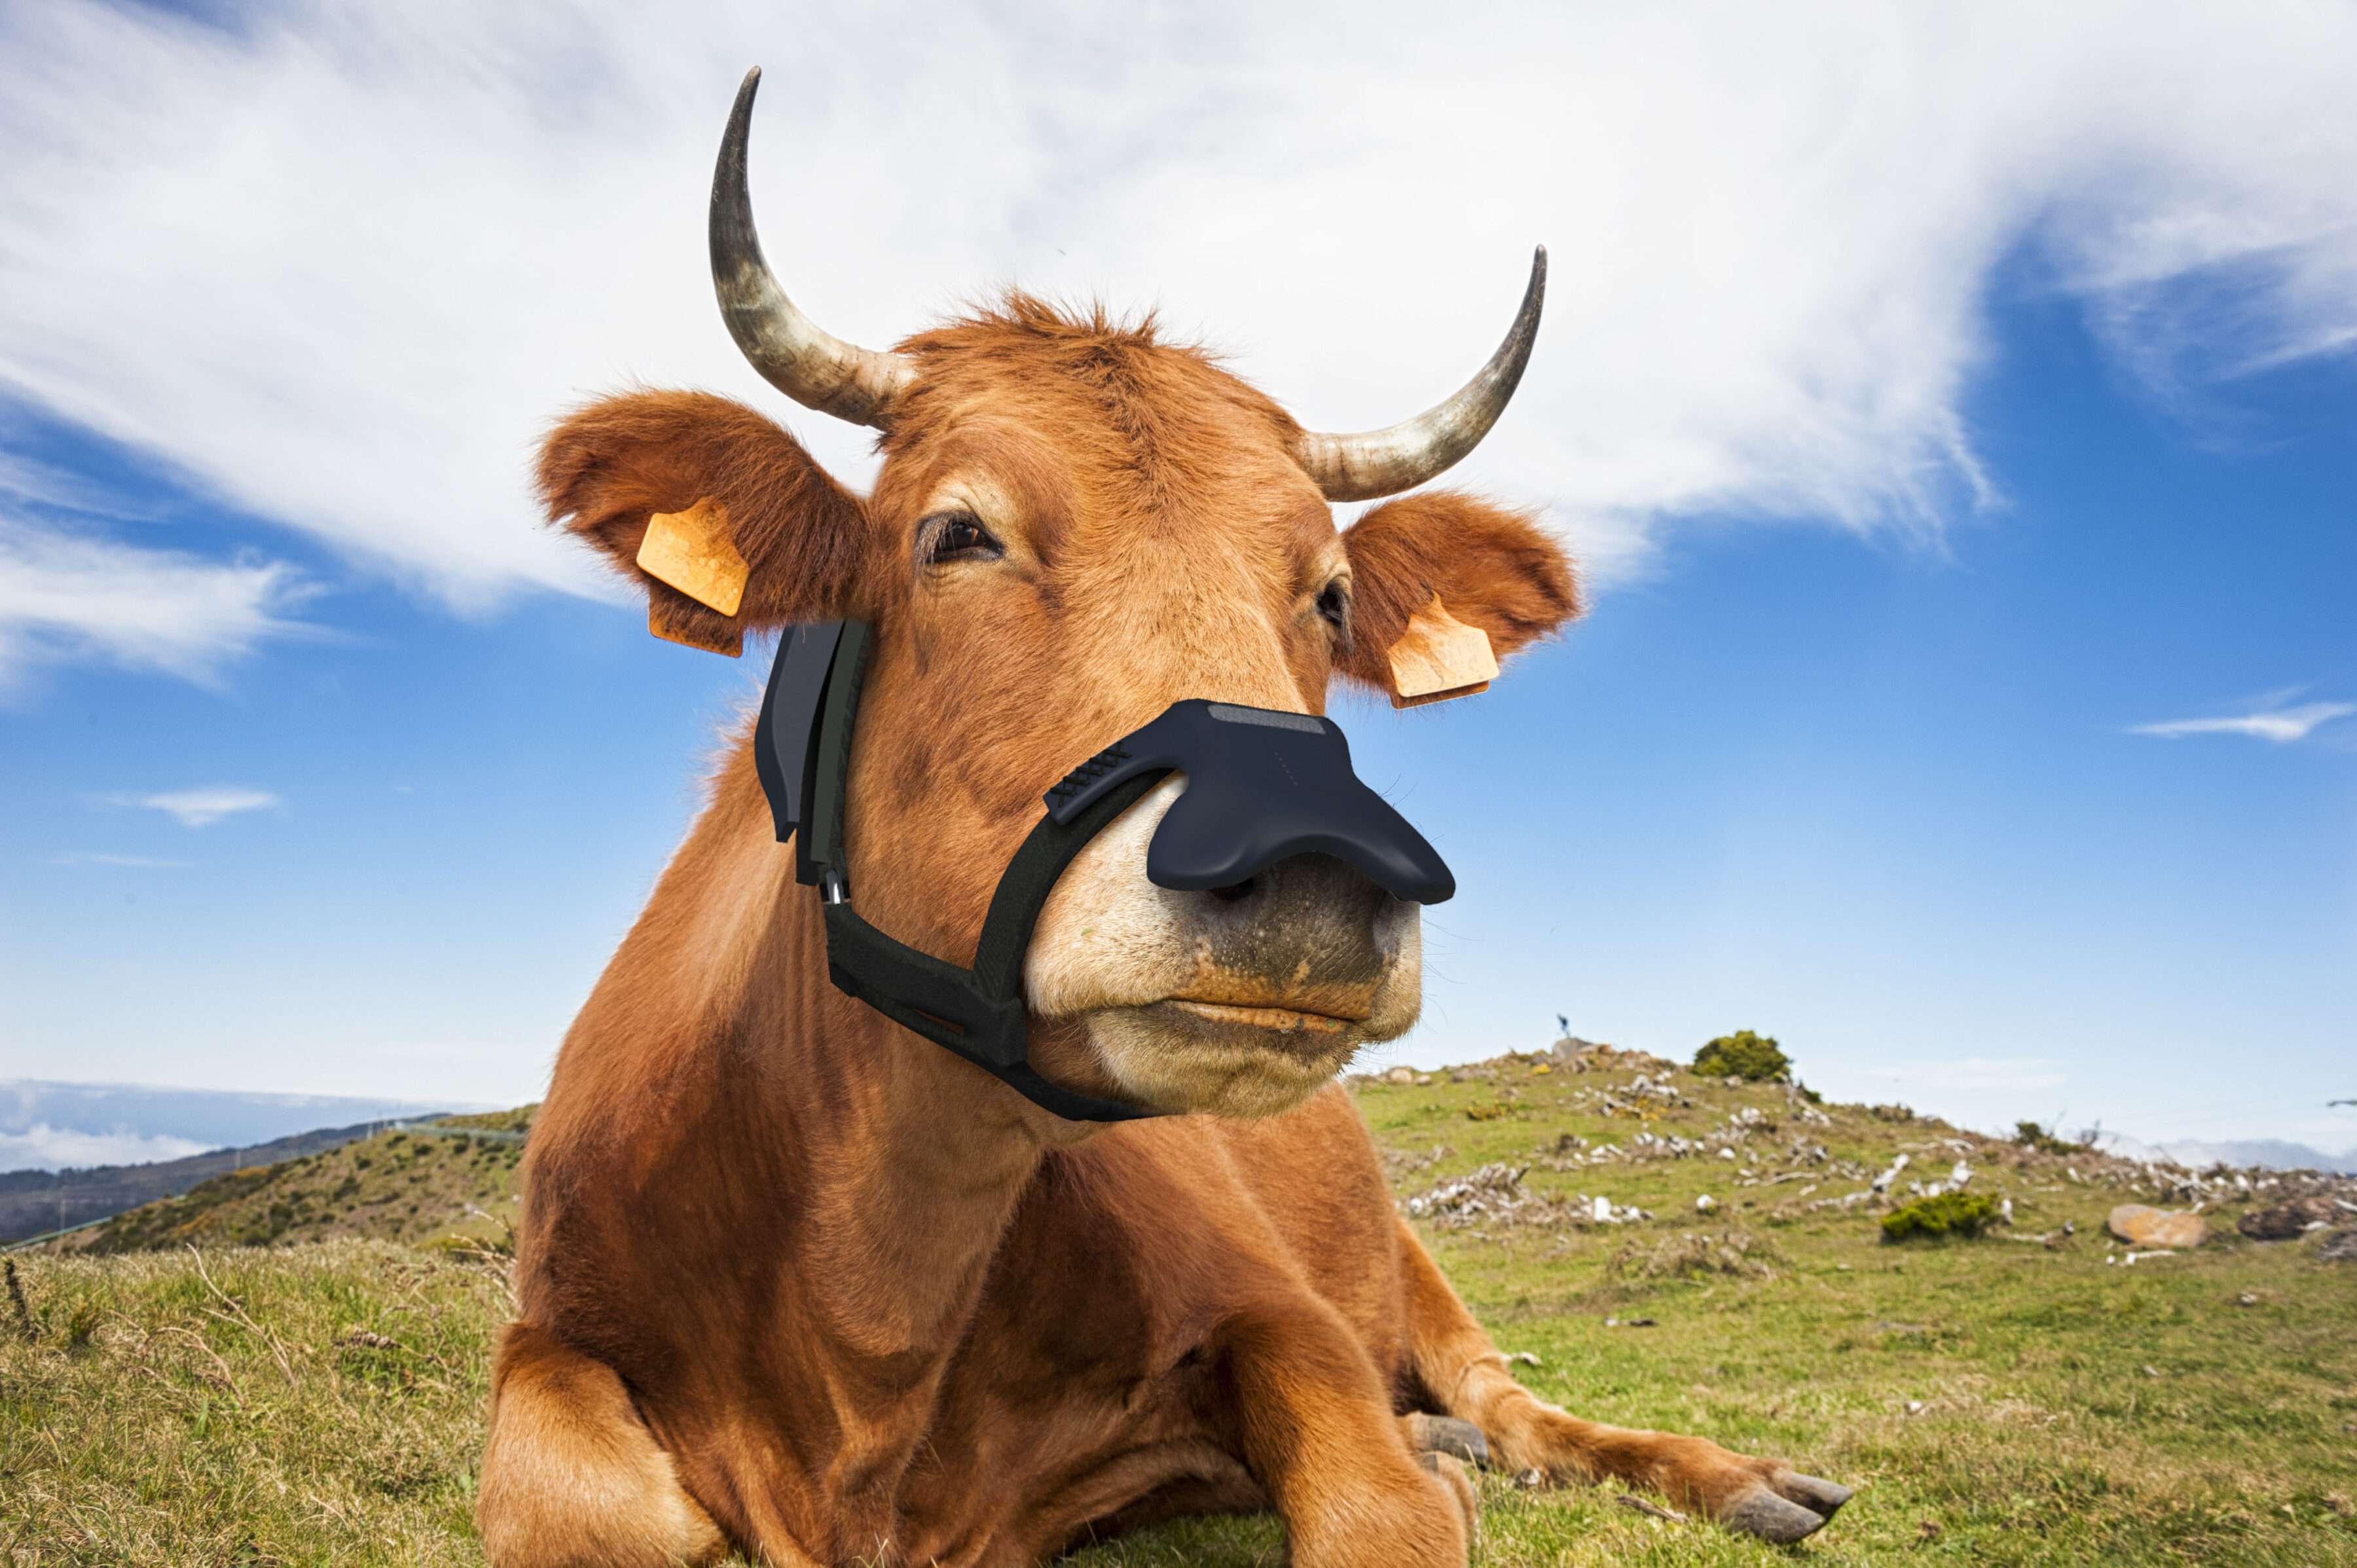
point(1263, 786)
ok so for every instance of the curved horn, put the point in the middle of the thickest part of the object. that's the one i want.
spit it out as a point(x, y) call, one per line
point(795, 354)
point(1384, 462)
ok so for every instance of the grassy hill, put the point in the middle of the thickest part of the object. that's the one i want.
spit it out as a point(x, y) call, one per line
point(453, 1182)
point(34, 1202)
point(2007, 1400)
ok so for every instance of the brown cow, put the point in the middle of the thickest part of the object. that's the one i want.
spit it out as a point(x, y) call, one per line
point(797, 1283)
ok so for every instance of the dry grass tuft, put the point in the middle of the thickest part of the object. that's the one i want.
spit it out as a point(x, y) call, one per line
point(1738, 1254)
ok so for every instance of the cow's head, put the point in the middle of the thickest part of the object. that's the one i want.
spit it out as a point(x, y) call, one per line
point(1076, 525)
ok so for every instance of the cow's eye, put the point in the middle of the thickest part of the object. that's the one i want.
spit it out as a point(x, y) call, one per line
point(958, 536)
point(1334, 604)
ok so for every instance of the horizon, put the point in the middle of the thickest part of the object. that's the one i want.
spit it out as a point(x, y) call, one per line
point(20, 1134)
point(1951, 414)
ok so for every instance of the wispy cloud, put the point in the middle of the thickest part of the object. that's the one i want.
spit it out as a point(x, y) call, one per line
point(140, 862)
point(2278, 725)
point(44, 1147)
point(201, 807)
point(73, 596)
point(341, 264)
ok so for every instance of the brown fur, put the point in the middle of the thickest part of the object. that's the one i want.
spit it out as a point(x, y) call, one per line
point(615, 462)
point(1492, 566)
point(797, 1281)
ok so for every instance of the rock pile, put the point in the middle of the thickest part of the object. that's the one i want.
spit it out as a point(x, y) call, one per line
point(1491, 1192)
point(2283, 1221)
point(1577, 1055)
point(1495, 1195)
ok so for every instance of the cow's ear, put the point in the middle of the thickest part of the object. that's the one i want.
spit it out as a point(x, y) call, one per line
point(1428, 565)
point(747, 532)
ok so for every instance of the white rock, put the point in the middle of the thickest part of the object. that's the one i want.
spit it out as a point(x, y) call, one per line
point(1602, 1211)
point(1705, 1204)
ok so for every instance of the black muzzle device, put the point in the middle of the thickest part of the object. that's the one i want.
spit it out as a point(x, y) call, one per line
point(1261, 785)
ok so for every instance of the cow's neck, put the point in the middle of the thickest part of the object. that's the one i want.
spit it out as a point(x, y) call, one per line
point(909, 1160)
point(840, 1187)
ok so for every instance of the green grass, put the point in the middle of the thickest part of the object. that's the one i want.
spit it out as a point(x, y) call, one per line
point(1993, 1401)
point(317, 1404)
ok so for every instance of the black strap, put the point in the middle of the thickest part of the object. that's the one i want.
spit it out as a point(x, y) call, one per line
point(976, 1014)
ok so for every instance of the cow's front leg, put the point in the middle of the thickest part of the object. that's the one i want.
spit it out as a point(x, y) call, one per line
point(1765, 1498)
point(1469, 1380)
point(1314, 1424)
point(573, 1478)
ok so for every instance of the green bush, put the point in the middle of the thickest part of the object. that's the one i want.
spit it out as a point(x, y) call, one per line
point(2029, 1135)
point(1949, 1214)
point(1742, 1055)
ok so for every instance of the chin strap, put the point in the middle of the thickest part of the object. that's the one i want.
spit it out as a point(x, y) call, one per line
point(802, 749)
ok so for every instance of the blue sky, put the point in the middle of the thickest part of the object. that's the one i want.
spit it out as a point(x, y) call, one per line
point(1938, 402)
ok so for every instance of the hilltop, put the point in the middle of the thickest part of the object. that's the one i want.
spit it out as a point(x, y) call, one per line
point(453, 1181)
point(1532, 1139)
point(2042, 1395)
point(33, 1202)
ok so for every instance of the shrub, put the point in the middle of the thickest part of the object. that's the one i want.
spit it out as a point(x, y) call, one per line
point(1948, 1214)
point(2030, 1135)
point(1742, 1055)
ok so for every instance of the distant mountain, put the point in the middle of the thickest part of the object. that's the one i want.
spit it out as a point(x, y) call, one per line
point(49, 1126)
point(2272, 1153)
point(32, 1203)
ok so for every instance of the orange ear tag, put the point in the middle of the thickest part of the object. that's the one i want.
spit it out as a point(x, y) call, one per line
point(691, 551)
point(1439, 656)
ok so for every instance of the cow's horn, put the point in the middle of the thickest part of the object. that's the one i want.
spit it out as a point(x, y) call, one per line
point(798, 356)
point(1384, 462)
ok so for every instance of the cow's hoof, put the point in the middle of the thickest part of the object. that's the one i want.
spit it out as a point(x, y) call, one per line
point(1819, 1497)
point(1446, 1435)
point(1764, 1514)
point(1445, 1469)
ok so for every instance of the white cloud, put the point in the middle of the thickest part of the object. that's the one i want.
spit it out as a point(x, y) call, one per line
point(342, 265)
point(44, 1147)
point(137, 862)
point(201, 807)
point(74, 597)
point(2278, 725)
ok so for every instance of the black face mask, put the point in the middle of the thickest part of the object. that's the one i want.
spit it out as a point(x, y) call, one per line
point(1261, 785)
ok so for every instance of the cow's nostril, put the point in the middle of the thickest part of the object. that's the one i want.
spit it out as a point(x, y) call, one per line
point(1233, 891)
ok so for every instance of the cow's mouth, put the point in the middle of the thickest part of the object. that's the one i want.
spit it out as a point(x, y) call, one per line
point(1285, 1020)
point(1239, 1044)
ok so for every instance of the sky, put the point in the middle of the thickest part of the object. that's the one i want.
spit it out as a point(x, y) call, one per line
point(1949, 409)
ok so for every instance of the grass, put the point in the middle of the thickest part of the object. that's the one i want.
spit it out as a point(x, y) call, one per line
point(316, 1404)
point(1993, 1401)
